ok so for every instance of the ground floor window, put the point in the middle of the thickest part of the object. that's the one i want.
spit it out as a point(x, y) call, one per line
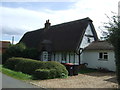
point(44, 56)
point(54, 56)
point(103, 56)
point(57, 57)
point(64, 57)
point(71, 57)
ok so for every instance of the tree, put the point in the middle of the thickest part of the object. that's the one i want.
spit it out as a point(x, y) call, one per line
point(20, 50)
point(31, 53)
point(13, 51)
point(113, 27)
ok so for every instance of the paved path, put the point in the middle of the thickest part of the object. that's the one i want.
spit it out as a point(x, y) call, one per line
point(9, 82)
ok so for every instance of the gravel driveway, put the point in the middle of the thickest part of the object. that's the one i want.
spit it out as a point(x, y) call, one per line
point(89, 80)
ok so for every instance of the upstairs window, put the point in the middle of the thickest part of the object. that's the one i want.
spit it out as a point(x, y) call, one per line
point(89, 40)
point(103, 56)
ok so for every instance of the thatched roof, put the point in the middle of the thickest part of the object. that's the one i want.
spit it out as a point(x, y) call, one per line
point(61, 37)
point(100, 45)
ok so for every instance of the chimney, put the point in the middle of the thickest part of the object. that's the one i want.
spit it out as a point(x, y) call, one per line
point(47, 24)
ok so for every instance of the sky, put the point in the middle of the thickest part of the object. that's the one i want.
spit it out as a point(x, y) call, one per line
point(20, 16)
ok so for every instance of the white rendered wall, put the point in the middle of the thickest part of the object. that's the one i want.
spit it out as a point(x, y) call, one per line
point(84, 42)
point(91, 57)
point(74, 58)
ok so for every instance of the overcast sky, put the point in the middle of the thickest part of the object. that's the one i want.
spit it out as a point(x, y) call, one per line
point(17, 18)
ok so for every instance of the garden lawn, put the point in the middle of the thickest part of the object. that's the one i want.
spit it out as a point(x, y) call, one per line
point(86, 70)
point(14, 74)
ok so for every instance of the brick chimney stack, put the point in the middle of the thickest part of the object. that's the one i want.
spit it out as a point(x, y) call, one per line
point(47, 24)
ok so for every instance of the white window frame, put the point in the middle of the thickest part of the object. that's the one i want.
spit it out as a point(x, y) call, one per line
point(44, 56)
point(104, 56)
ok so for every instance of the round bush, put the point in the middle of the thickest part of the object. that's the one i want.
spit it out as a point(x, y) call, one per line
point(60, 69)
point(42, 73)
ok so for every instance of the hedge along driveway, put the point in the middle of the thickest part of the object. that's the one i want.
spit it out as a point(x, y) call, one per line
point(29, 66)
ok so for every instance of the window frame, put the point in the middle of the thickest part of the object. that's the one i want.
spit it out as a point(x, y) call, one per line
point(64, 57)
point(103, 56)
point(72, 57)
point(88, 40)
point(44, 56)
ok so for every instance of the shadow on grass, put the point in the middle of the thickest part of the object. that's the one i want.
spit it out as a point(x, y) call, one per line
point(86, 70)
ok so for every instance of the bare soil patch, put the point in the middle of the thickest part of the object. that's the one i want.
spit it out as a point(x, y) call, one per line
point(89, 80)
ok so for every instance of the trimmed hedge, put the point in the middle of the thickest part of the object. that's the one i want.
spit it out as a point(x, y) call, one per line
point(60, 69)
point(24, 65)
point(44, 73)
point(11, 63)
point(52, 73)
point(29, 66)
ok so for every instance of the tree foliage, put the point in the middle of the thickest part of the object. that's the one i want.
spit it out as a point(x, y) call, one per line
point(113, 27)
point(31, 53)
point(20, 50)
point(13, 51)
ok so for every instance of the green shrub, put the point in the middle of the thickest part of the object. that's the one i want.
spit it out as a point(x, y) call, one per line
point(42, 73)
point(5, 56)
point(19, 50)
point(45, 73)
point(28, 66)
point(60, 69)
point(31, 53)
point(12, 62)
point(13, 51)
point(53, 73)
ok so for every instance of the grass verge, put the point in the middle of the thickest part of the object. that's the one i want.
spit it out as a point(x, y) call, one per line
point(14, 74)
point(86, 70)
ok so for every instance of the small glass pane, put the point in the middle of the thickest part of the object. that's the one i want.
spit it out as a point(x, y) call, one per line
point(100, 55)
point(105, 56)
point(88, 40)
